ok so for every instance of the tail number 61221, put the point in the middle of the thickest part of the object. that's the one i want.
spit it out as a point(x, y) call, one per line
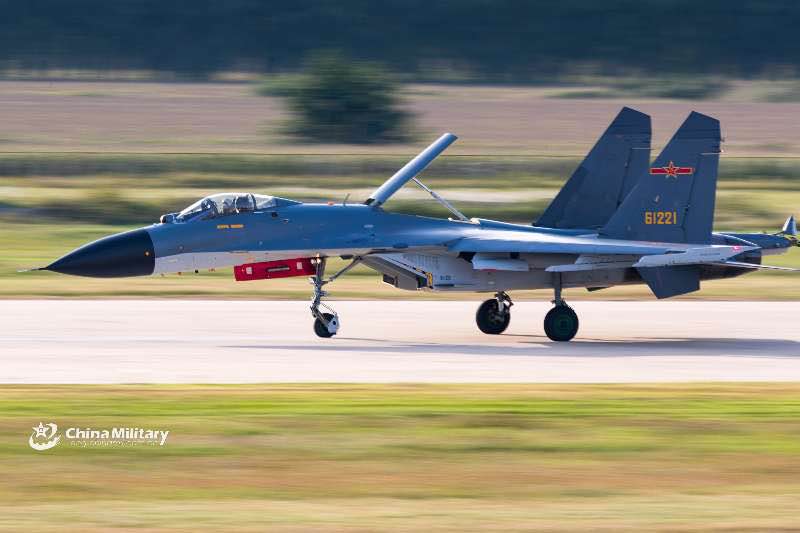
point(661, 217)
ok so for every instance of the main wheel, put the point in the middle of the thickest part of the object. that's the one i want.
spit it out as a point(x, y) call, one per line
point(561, 323)
point(490, 319)
point(321, 329)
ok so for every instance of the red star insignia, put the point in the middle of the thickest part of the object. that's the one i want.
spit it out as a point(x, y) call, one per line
point(672, 170)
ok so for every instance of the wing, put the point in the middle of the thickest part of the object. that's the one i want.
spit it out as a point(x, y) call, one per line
point(496, 241)
point(669, 269)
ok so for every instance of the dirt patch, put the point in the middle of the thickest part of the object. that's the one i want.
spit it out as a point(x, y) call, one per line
point(230, 118)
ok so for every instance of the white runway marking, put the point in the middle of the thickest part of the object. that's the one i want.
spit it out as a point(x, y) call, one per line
point(189, 341)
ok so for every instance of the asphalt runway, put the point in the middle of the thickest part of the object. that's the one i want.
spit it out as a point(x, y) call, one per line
point(223, 341)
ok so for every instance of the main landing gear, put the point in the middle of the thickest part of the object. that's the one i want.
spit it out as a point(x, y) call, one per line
point(560, 323)
point(326, 324)
point(494, 315)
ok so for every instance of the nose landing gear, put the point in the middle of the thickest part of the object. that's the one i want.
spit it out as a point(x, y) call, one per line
point(326, 325)
point(494, 315)
point(561, 322)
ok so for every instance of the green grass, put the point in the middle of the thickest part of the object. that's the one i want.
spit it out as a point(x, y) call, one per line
point(367, 457)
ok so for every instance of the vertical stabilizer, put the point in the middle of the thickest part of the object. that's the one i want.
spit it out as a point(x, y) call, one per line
point(790, 227)
point(674, 201)
point(605, 177)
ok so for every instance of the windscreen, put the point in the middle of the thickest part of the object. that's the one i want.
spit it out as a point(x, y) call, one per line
point(220, 205)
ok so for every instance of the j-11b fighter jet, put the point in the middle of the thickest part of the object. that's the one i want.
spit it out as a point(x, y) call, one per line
point(619, 219)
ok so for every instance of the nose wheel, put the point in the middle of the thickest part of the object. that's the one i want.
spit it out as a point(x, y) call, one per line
point(494, 315)
point(561, 322)
point(326, 325)
point(326, 320)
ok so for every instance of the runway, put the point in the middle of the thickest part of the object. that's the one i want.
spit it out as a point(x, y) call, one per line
point(223, 341)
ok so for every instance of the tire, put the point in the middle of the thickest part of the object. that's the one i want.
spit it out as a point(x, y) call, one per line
point(489, 318)
point(561, 323)
point(321, 329)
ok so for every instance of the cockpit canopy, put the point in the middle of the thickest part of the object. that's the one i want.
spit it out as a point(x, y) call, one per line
point(229, 203)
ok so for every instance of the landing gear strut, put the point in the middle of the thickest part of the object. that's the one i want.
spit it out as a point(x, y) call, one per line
point(561, 322)
point(494, 315)
point(326, 324)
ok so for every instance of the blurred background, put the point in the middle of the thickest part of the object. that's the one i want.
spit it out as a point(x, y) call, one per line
point(114, 113)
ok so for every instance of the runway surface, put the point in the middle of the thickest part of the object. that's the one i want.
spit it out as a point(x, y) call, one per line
point(189, 341)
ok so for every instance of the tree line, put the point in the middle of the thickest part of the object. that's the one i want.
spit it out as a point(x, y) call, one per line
point(489, 40)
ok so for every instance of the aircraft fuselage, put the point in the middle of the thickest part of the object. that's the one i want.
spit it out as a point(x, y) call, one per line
point(418, 245)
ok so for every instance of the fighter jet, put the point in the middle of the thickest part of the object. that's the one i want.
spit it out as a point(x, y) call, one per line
point(618, 220)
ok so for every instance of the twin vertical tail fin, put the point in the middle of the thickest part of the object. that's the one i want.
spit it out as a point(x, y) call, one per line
point(675, 201)
point(790, 227)
point(605, 177)
point(789, 231)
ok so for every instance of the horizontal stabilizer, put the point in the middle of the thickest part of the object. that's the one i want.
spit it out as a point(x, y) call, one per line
point(666, 282)
point(755, 267)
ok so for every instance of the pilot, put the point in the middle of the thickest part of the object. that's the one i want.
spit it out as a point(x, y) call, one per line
point(243, 203)
point(207, 210)
point(227, 207)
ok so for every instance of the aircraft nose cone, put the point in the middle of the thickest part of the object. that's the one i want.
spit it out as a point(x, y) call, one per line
point(117, 256)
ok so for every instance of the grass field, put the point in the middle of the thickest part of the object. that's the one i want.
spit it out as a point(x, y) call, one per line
point(404, 457)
